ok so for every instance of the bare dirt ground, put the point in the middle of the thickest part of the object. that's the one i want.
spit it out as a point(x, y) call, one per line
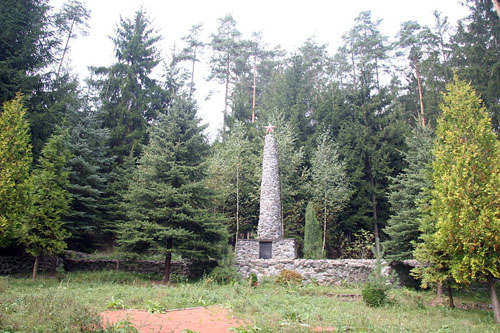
point(213, 319)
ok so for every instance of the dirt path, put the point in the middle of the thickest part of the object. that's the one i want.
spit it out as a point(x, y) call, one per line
point(213, 319)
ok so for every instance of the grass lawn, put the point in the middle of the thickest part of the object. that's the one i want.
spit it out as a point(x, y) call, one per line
point(72, 303)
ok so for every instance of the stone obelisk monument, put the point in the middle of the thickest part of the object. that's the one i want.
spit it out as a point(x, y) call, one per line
point(270, 226)
point(270, 243)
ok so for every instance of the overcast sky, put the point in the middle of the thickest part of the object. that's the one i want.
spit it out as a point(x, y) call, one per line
point(285, 22)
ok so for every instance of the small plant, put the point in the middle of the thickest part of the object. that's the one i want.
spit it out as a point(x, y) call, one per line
point(120, 327)
point(115, 304)
point(374, 294)
point(225, 272)
point(253, 281)
point(287, 276)
point(154, 307)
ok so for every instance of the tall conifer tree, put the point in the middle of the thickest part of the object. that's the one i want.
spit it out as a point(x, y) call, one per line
point(167, 203)
point(466, 195)
point(43, 232)
point(405, 192)
point(15, 164)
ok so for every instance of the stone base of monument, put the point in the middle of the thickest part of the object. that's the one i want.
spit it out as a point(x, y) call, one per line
point(250, 249)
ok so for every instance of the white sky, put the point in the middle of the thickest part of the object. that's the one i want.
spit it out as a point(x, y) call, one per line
point(285, 22)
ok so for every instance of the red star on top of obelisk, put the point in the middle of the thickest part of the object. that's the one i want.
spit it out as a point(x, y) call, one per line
point(269, 128)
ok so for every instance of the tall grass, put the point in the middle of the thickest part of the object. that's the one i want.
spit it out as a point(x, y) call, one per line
point(73, 304)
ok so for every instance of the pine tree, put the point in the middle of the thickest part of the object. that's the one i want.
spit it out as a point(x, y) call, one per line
point(167, 202)
point(313, 235)
point(43, 232)
point(15, 163)
point(227, 50)
point(405, 192)
point(466, 176)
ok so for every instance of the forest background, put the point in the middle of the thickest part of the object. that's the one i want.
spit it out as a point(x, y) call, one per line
point(122, 160)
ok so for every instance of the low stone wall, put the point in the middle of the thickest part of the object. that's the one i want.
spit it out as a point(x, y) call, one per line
point(13, 265)
point(325, 272)
point(20, 264)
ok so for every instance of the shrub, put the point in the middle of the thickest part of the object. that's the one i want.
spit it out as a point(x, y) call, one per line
point(253, 281)
point(374, 294)
point(288, 277)
point(224, 274)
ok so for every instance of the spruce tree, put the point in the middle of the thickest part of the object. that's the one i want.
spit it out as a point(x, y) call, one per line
point(167, 202)
point(313, 235)
point(405, 192)
point(130, 97)
point(15, 164)
point(88, 181)
point(466, 176)
point(43, 232)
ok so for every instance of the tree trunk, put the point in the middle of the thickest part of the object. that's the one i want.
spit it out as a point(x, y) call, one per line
point(226, 93)
point(325, 211)
point(167, 270)
point(420, 91)
point(494, 299)
point(439, 291)
point(65, 47)
point(35, 268)
point(253, 97)
point(374, 208)
point(191, 88)
point(497, 7)
point(237, 204)
point(450, 296)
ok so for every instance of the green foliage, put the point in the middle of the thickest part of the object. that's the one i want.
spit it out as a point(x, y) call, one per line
point(253, 281)
point(313, 235)
point(267, 306)
point(115, 304)
point(154, 307)
point(48, 310)
point(122, 326)
point(43, 231)
point(374, 295)
point(330, 184)
point(232, 176)
point(405, 192)
point(466, 176)
point(167, 203)
point(15, 163)
point(88, 181)
point(360, 247)
point(226, 271)
point(130, 97)
point(289, 277)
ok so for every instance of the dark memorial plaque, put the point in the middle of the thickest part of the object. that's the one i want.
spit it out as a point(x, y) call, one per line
point(265, 250)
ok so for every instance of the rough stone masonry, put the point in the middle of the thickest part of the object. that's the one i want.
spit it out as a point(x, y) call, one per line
point(270, 226)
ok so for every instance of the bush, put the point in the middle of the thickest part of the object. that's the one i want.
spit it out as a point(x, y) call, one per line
point(288, 277)
point(374, 294)
point(224, 275)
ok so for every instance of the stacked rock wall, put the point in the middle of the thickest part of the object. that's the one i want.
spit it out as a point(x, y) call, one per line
point(325, 272)
point(21, 264)
point(270, 227)
point(248, 249)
